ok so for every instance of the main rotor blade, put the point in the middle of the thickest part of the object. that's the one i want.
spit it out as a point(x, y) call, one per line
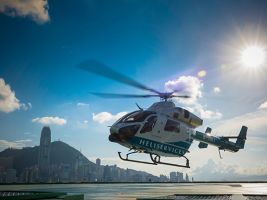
point(181, 96)
point(112, 95)
point(101, 69)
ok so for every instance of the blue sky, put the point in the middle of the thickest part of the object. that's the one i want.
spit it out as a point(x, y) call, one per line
point(42, 42)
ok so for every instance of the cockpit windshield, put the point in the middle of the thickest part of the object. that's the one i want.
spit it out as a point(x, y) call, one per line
point(137, 116)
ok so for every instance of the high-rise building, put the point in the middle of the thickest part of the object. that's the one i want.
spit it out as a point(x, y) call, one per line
point(176, 177)
point(98, 162)
point(180, 177)
point(163, 178)
point(98, 170)
point(44, 155)
point(173, 177)
point(11, 176)
point(186, 178)
point(107, 173)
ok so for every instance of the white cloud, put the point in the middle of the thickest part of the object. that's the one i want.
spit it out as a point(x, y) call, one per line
point(50, 120)
point(212, 171)
point(25, 106)
point(84, 124)
point(82, 104)
point(255, 121)
point(216, 90)
point(218, 171)
point(103, 117)
point(8, 100)
point(23, 141)
point(188, 85)
point(199, 110)
point(13, 144)
point(192, 86)
point(263, 105)
point(37, 10)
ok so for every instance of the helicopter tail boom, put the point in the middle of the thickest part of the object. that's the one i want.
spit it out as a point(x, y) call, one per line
point(223, 142)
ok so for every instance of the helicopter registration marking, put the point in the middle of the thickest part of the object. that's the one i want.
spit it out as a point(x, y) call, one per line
point(166, 148)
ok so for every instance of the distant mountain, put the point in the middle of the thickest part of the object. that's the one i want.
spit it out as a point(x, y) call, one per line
point(60, 153)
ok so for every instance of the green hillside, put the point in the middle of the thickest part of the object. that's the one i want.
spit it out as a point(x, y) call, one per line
point(27, 157)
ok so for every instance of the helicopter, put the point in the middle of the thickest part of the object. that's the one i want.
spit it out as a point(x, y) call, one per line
point(163, 129)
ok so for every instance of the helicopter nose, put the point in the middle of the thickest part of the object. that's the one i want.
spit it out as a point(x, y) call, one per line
point(123, 133)
point(113, 137)
point(128, 131)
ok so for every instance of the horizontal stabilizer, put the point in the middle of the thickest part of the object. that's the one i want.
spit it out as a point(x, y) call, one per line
point(229, 137)
point(202, 145)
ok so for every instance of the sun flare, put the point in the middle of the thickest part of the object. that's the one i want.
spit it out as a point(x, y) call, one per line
point(253, 56)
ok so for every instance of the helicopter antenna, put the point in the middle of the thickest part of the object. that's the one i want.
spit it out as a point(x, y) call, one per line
point(139, 106)
point(95, 67)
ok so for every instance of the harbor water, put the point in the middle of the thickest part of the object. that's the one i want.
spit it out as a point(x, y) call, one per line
point(131, 191)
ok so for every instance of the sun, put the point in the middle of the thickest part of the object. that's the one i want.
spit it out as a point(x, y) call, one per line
point(253, 56)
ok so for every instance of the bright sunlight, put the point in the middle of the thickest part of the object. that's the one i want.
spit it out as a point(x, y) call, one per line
point(253, 56)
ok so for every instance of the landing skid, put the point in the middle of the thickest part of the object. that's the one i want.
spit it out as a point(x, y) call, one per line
point(137, 161)
point(154, 158)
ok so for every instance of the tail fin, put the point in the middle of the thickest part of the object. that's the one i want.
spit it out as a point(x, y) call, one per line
point(241, 139)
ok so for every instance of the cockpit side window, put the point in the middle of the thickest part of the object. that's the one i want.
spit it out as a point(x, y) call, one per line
point(149, 125)
point(172, 126)
point(137, 116)
point(125, 116)
point(186, 114)
point(176, 115)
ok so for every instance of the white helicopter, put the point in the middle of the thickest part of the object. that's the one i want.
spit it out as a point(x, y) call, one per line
point(161, 130)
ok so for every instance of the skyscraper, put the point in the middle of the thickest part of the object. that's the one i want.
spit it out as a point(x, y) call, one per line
point(186, 178)
point(44, 155)
point(173, 177)
point(99, 174)
point(180, 177)
point(98, 162)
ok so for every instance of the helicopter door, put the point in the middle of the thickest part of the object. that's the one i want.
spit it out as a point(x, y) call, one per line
point(158, 128)
point(172, 130)
point(149, 125)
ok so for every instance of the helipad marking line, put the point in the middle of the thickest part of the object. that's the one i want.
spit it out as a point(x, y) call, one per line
point(238, 197)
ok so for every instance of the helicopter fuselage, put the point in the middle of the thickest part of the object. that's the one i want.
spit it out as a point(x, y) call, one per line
point(155, 130)
point(152, 136)
point(166, 130)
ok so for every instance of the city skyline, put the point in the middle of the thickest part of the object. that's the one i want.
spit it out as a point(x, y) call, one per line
point(77, 170)
point(159, 43)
